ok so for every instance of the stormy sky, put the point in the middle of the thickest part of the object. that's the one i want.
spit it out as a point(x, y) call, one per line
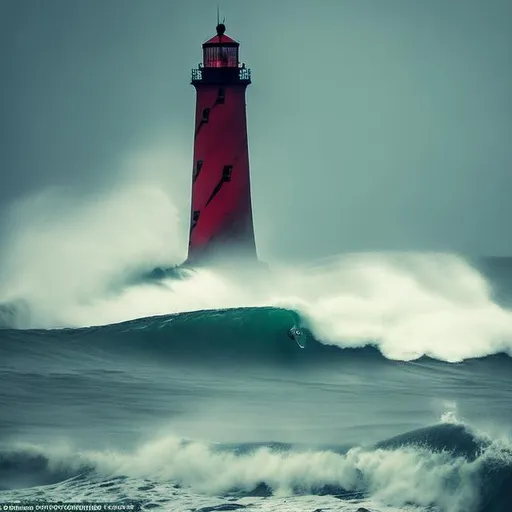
point(373, 125)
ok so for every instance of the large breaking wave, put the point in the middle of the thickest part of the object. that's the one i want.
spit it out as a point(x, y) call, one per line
point(80, 269)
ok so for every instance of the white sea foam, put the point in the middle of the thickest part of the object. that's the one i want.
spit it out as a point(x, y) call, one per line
point(407, 305)
point(391, 477)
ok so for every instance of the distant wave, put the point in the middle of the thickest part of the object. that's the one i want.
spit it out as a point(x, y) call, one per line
point(445, 466)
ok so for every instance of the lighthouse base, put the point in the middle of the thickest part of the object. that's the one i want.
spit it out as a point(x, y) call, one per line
point(239, 256)
point(224, 266)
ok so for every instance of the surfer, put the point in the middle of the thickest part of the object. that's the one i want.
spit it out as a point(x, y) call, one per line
point(297, 334)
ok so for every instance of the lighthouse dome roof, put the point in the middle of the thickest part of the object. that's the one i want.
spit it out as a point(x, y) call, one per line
point(220, 37)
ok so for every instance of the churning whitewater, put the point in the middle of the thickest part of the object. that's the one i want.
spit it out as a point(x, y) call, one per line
point(184, 391)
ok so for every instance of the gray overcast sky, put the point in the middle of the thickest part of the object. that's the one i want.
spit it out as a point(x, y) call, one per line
point(373, 125)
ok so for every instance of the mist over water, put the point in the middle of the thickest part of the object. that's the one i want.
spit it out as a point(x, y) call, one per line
point(71, 262)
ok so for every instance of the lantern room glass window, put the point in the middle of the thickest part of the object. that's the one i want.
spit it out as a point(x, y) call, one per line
point(220, 57)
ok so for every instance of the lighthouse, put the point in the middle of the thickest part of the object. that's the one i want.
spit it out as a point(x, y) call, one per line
point(221, 223)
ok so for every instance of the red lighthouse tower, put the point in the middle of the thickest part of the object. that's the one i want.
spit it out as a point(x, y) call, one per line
point(221, 224)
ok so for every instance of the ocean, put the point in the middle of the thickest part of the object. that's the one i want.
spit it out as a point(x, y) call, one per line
point(184, 391)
